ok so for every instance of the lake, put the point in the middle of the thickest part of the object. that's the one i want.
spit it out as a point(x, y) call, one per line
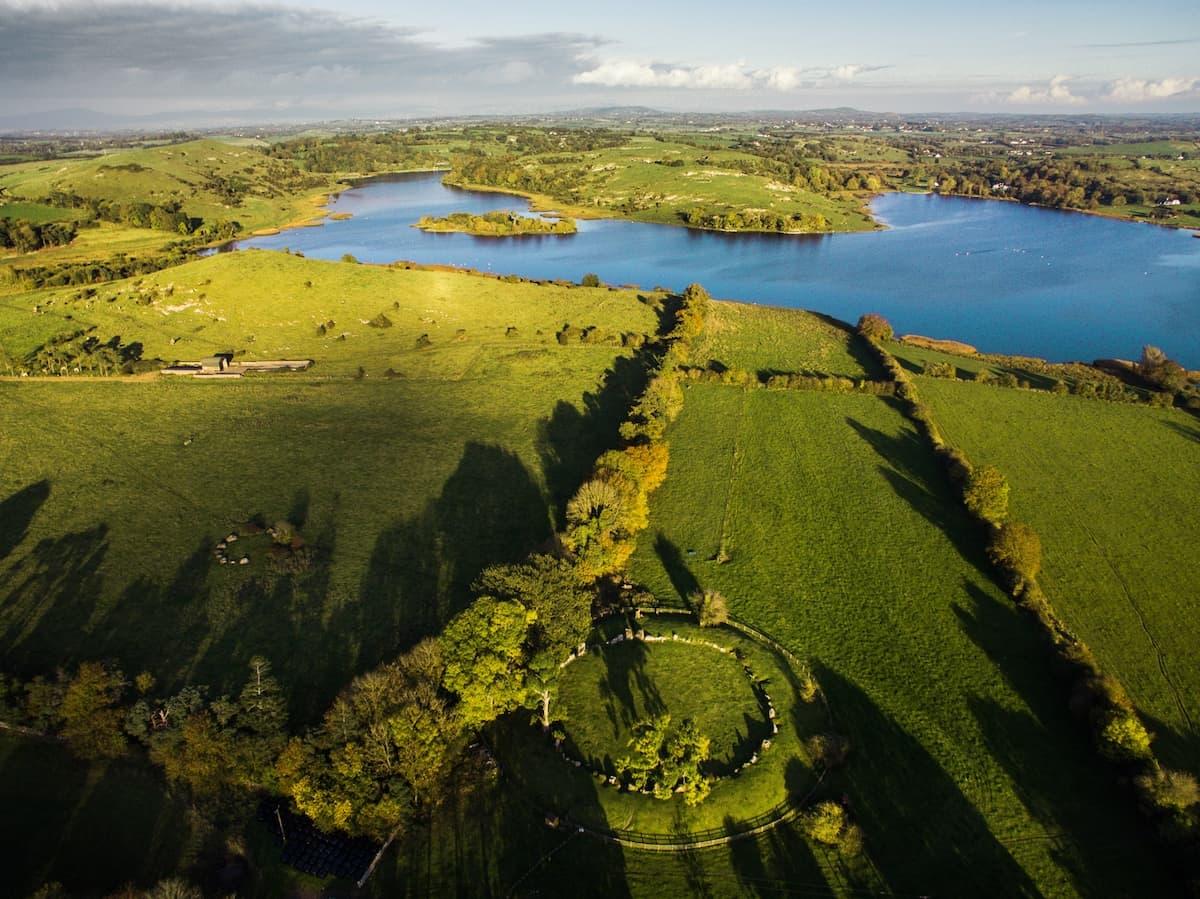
point(1004, 277)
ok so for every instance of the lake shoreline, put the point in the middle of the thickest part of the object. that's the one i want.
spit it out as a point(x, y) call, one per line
point(1006, 277)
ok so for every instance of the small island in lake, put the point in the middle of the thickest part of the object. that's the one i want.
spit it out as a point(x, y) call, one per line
point(501, 223)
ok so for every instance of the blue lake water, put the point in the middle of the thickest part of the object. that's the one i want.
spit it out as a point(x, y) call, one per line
point(1004, 277)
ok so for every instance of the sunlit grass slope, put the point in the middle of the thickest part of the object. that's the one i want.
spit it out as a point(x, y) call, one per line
point(844, 541)
point(1111, 489)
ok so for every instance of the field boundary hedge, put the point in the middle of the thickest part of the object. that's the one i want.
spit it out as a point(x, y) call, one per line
point(1117, 732)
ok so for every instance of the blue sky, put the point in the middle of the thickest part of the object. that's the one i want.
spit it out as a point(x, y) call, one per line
point(196, 58)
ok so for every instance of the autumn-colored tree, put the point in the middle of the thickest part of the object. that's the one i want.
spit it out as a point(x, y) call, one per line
point(986, 494)
point(91, 720)
point(874, 326)
point(1017, 548)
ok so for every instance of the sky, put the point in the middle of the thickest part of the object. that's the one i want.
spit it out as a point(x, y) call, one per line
point(204, 62)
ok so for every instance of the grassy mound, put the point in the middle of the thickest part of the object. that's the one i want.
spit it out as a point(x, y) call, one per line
point(766, 341)
point(265, 305)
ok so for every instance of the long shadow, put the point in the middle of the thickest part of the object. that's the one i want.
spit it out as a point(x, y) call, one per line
point(490, 511)
point(490, 836)
point(911, 470)
point(17, 512)
point(92, 828)
point(856, 345)
point(927, 838)
point(52, 594)
point(570, 440)
point(673, 563)
point(1060, 780)
point(1173, 748)
point(1188, 430)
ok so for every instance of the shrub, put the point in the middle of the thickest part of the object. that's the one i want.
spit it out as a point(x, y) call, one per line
point(349, 257)
point(1008, 379)
point(824, 822)
point(983, 376)
point(828, 750)
point(711, 608)
point(807, 688)
point(1059, 387)
point(1168, 789)
point(590, 280)
point(986, 494)
point(874, 326)
point(941, 370)
point(1163, 373)
point(1017, 548)
point(1123, 737)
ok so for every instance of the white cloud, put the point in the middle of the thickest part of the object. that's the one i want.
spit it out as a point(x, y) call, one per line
point(625, 73)
point(733, 76)
point(846, 73)
point(1136, 90)
point(1056, 92)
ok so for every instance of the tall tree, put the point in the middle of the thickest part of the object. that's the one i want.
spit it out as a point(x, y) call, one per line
point(484, 652)
point(91, 721)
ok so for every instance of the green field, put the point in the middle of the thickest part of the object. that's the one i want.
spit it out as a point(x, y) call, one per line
point(115, 491)
point(766, 341)
point(270, 305)
point(35, 212)
point(446, 420)
point(844, 541)
point(271, 192)
point(1111, 489)
point(604, 695)
point(632, 181)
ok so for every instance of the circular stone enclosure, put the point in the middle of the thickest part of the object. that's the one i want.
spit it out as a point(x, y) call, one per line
point(605, 694)
point(759, 763)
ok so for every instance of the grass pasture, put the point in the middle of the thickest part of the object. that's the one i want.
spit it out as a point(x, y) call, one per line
point(272, 305)
point(115, 491)
point(1111, 489)
point(845, 543)
point(271, 192)
point(639, 180)
point(35, 212)
point(768, 340)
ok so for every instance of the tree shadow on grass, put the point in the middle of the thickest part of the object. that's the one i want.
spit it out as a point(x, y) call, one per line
point(490, 511)
point(1051, 761)
point(673, 563)
point(570, 440)
point(925, 836)
point(16, 514)
point(856, 346)
point(52, 595)
point(490, 837)
point(1186, 429)
point(93, 828)
point(912, 471)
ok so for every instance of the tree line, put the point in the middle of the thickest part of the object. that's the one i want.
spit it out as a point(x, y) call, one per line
point(26, 237)
point(1167, 797)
